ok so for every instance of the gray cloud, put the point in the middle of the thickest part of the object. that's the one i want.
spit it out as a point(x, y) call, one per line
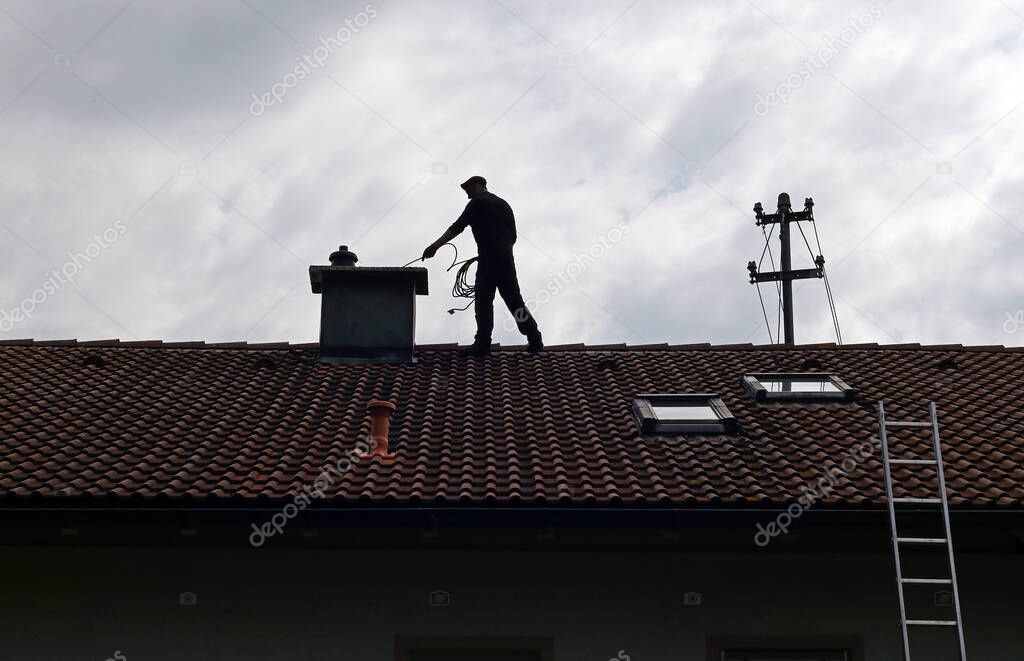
point(583, 117)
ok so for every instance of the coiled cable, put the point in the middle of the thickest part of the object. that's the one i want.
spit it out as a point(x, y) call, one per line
point(462, 287)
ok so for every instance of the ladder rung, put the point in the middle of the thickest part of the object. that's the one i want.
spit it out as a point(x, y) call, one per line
point(928, 581)
point(933, 623)
point(908, 424)
point(920, 540)
point(917, 500)
point(913, 462)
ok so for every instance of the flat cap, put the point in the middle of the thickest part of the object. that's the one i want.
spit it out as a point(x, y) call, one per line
point(475, 179)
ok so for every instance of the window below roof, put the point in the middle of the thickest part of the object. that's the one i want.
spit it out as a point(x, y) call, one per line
point(797, 386)
point(470, 648)
point(785, 655)
point(785, 648)
point(682, 413)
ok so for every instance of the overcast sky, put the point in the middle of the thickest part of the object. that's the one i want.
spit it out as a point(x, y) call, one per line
point(180, 165)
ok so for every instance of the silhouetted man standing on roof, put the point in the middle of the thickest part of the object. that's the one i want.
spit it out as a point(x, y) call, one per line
point(494, 228)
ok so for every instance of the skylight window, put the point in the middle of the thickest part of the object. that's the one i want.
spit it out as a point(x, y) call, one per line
point(797, 386)
point(788, 384)
point(683, 413)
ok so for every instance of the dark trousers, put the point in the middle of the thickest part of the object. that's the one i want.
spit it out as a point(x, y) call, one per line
point(499, 274)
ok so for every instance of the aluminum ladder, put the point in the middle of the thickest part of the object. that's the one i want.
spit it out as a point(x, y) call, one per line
point(898, 541)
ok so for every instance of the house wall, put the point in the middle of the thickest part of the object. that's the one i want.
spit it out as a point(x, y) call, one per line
point(254, 604)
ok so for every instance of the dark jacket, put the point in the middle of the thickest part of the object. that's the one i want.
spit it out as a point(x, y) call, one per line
point(493, 224)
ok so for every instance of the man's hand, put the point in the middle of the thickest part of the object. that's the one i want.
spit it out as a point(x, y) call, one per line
point(445, 238)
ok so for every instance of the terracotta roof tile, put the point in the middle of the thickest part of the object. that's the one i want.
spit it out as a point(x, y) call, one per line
point(196, 420)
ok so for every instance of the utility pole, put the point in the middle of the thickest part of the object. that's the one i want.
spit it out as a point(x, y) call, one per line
point(784, 216)
point(786, 264)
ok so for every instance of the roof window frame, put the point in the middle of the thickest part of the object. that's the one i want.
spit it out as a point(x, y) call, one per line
point(644, 413)
point(752, 384)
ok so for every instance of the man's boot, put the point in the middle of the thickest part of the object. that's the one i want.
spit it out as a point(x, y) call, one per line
point(535, 344)
point(476, 349)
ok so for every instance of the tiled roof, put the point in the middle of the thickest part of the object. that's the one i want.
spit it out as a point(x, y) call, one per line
point(151, 420)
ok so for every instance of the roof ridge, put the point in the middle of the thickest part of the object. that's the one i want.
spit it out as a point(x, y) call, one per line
point(575, 347)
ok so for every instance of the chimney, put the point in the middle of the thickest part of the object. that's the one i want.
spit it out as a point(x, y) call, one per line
point(367, 313)
point(380, 423)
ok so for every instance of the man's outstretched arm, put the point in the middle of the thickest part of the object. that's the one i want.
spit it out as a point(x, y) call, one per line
point(456, 229)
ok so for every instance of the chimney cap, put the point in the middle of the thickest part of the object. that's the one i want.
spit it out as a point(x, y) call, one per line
point(319, 274)
point(343, 257)
point(378, 404)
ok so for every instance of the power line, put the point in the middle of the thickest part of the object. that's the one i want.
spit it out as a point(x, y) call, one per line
point(824, 275)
